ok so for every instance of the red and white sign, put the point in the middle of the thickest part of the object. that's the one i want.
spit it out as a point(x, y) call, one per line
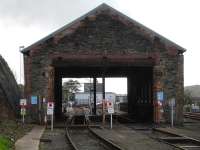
point(50, 107)
point(110, 107)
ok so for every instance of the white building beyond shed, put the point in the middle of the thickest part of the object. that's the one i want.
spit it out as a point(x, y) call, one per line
point(86, 98)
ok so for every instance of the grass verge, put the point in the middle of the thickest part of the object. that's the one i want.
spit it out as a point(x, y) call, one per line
point(5, 143)
point(10, 132)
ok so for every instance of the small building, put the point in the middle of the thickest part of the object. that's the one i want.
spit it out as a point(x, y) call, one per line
point(196, 100)
point(88, 87)
point(86, 98)
point(196, 104)
point(121, 98)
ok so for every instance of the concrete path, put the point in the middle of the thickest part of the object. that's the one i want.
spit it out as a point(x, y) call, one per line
point(31, 140)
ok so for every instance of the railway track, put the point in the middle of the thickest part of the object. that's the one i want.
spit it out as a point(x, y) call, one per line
point(82, 138)
point(168, 137)
point(124, 119)
point(195, 116)
point(176, 140)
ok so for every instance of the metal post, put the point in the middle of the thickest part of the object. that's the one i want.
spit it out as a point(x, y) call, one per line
point(45, 120)
point(94, 88)
point(90, 97)
point(23, 113)
point(20, 48)
point(23, 118)
point(103, 87)
point(172, 115)
point(103, 103)
point(20, 70)
point(111, 121)
point(52, 122)
point(172, 111)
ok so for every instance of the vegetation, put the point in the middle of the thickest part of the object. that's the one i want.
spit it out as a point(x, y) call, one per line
point(191, 96)
point(69, 89)
point(188, 100)
point(21, 88)
point(194, 90)
point(10, 131)
point(5, 143)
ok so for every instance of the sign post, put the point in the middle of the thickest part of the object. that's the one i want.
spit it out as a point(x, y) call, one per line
point(23, 104)
point(52, 122)
point(50, 109)
point(172, 103)
point(23, 113)
point(110, 111)
point(103, 111)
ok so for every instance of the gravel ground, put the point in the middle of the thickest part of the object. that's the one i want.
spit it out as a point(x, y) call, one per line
point(58, 140)
point(85, 140)
point(191, 128)
point(130, 139)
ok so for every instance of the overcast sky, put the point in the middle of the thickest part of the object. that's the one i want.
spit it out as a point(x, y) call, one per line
point(23, 22)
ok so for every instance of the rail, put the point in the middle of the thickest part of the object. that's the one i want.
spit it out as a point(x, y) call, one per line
point(195, 116)
point(178, 141)
point(82, 137)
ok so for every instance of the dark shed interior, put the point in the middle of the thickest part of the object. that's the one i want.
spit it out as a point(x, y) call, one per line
point(139, 78)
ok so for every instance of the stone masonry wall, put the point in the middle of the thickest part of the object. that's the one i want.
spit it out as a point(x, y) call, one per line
point(171, 68)
point(103, 34)
point(92, 37)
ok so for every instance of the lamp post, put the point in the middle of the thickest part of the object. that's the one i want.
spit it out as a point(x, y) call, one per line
point(20, 49)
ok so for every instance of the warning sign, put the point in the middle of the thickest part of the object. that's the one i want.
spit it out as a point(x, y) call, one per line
point(50, 107)
point(110, 110)
point(23, 102)
point(110, 107)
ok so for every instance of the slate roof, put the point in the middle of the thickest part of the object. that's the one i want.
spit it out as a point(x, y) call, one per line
point(111, 11)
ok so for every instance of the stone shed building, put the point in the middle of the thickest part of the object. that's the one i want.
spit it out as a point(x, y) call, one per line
point(106, 43)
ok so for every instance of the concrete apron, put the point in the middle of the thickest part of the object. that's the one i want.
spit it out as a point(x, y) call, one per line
point(31, 140)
